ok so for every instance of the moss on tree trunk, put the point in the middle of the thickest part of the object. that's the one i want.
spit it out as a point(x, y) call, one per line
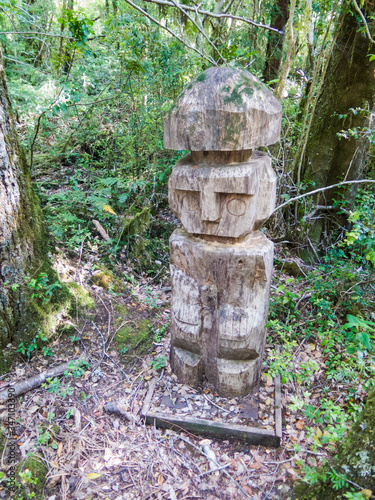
point(23, 238)
point(349, 83)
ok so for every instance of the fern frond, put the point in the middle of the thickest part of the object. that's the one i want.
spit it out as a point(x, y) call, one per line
point(107, 181)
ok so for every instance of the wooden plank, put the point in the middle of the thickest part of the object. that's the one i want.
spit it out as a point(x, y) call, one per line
point(278, 410)
point(150, 393)
point(249, 435)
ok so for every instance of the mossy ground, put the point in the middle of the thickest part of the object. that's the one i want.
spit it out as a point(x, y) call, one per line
point(68, 301)
point(83, 299)
point(32, 468)
point(135, 337)
point(105, 278)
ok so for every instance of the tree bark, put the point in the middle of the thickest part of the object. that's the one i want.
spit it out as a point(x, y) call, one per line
point(284, 71)
point(69, 51)
point(22, 231)
point(349, 83)
point(274, 50)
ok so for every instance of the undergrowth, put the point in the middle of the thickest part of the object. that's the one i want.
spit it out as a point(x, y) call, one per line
point(331, 309)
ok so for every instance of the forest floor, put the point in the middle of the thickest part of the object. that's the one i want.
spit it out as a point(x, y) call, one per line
point(93, 453)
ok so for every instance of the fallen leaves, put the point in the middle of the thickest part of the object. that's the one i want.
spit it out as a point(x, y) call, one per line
point(257, 464)
point(300, 424)
point(93, 475)
point(59, 449)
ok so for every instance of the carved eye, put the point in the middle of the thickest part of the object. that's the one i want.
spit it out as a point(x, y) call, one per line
point(236, 207)
point(190, 202)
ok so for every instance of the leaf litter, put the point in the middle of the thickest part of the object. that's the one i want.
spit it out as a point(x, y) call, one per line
point(92, 453)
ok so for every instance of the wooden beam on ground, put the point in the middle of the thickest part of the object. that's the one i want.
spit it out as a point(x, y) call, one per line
point(212, 428)
point(278, 410)
point(219, 430)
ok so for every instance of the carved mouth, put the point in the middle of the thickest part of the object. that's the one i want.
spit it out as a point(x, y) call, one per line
point(186, 326)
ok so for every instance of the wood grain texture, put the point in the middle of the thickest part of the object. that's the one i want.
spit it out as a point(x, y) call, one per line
point(223, 109)
point(219, 310)
point(224, 200)
point(243, 433)
point(215, 158)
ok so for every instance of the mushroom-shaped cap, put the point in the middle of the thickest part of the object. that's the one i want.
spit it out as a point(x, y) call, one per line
point(223, 109)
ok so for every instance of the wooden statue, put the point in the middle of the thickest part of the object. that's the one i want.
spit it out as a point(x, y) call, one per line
point(222, 192)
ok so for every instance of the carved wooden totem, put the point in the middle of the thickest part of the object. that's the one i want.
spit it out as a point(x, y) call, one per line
point(222, 192)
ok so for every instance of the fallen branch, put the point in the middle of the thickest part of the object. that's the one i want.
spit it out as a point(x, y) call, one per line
point(111, 408)
point(310, 193)
point(34, 382)
point(101, 230)
point(212, 459)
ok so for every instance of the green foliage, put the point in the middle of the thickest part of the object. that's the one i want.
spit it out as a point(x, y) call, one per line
point(42, 289)
point(361, 333)
point(353, 462)
point(98, 121)
point(30, 348)
point(76, 369)
point(283, 301)
point(93, 126)
point(69, 413)
point(357, 495)
point(158, 362)
point(159, 332)
point(360, 240)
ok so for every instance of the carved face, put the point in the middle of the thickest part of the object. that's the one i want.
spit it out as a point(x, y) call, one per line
point(218, 201)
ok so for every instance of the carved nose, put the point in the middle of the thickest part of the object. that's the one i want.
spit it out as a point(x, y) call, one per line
point(210, 206)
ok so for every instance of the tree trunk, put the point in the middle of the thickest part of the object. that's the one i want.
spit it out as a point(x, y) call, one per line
point(274, 50)
point(349, 83)
point(284, 71)
point(22, 231)
point(69, 50)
